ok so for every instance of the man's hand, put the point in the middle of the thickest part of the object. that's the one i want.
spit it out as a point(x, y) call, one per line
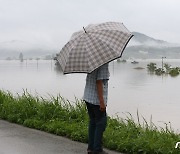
point(102, 107)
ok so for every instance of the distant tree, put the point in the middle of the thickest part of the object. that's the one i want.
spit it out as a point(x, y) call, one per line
point(159, 71)
point(151, 67)
point(174, 71)
point(21, 57)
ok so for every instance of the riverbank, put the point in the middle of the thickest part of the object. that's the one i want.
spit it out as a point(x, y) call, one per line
point(64, 118)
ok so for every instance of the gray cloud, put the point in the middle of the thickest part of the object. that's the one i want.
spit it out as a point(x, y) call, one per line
point(50, 23)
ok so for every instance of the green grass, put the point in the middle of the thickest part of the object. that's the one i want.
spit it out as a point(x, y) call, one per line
point(59, 116)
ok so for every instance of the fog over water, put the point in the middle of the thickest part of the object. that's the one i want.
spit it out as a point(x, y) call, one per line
point(129, 89)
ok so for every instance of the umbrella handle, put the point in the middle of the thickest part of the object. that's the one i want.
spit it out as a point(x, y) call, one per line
point(84, 30)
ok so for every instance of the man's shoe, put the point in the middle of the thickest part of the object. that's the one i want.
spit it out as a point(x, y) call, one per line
point(103, 152)
point(90, 152)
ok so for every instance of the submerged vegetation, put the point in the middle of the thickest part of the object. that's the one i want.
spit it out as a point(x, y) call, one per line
point(61, 117)
point(173, 71)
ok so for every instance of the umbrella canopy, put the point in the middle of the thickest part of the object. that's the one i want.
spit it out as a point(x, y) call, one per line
point(93, 46)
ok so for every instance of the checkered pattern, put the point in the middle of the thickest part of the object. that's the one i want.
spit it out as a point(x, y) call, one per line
point(90, 92)
point(101, 44)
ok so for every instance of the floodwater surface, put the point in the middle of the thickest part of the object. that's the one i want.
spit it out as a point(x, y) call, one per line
point(130, 89)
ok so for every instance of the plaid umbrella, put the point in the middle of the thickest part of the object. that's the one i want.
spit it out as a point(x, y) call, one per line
point(93, 47)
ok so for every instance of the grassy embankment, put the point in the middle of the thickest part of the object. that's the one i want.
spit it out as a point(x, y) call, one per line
point(60, 117)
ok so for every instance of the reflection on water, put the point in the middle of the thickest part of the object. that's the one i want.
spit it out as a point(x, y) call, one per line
point(129, 89)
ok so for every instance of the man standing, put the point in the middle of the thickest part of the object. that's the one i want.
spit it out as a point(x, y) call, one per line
point(95, 96)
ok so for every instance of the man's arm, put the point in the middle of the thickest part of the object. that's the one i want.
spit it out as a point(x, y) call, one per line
point(99, 84)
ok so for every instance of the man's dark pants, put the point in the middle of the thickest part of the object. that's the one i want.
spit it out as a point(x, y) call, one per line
point(97, 125)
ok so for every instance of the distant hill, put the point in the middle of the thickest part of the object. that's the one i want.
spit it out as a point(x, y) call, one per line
point(142, 39)
point(145, 47)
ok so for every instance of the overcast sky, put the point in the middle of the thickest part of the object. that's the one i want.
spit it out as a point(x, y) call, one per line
point(50, 23)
